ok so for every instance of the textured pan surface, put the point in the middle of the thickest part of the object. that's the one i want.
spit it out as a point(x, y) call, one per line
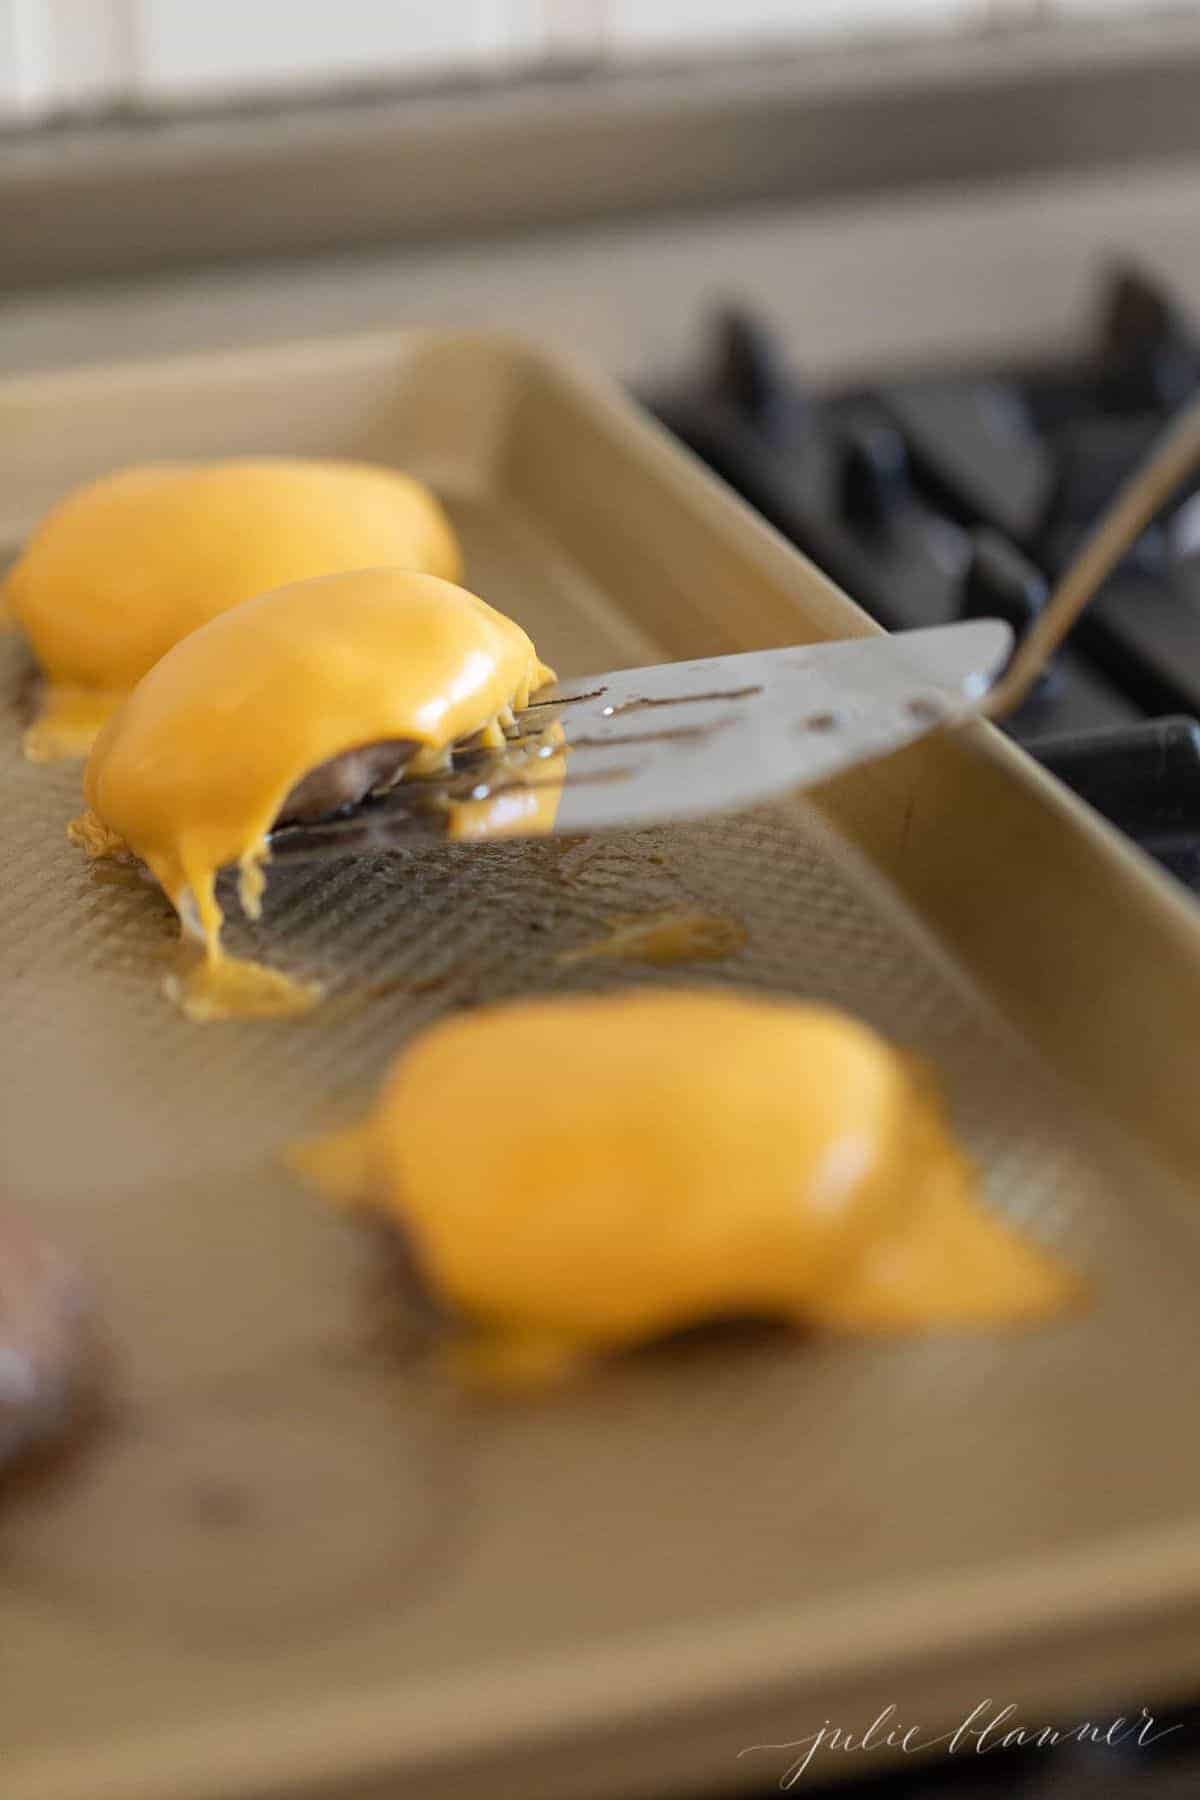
point(299, 1553)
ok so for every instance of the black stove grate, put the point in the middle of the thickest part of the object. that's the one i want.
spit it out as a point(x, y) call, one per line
point(963, 493)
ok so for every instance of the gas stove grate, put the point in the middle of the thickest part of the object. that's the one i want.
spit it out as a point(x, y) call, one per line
point(963, 493)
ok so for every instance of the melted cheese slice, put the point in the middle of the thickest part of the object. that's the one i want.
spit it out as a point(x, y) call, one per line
point(124, 568)
point(192, 771)
point(581, 1174)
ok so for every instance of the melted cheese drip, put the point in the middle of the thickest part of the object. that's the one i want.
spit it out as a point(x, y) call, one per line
point(191, 773)
point(124, 568)
point(233, 988)
point(538, 768)
point(663, 938)
point(578, 1175)
point(68, 721)
point(95, 839)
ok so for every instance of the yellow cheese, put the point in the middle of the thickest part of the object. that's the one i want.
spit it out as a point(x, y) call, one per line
point(120, 570)
point(192, 771)
point(581, 1174)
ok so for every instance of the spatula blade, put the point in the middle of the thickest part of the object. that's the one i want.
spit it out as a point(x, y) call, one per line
point(680, 740)
point(685, 739)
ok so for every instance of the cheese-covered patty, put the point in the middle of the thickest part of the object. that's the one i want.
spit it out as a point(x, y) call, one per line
point(584, 1173)
point(197, 764)
point(121, 569)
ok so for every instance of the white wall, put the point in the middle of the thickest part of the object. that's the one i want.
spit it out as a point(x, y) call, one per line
point(185, 50)
point(664, 25)
point(58, 54)
point(77, 55)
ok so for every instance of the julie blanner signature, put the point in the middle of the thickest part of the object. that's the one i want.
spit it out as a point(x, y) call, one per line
point(989, 1726)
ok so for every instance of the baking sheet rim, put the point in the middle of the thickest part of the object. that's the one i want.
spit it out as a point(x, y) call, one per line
point(380, 1733)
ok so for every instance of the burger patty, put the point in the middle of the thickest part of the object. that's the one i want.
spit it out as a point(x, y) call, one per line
point(346, 780)
point(46, 1337)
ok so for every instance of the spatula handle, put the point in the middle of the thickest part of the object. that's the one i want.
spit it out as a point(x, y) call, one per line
point(1175, 458)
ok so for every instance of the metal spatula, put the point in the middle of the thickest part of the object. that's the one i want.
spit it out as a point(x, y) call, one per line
point(642, 746)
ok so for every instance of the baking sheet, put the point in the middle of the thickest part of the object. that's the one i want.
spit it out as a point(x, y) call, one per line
point(298, 1561)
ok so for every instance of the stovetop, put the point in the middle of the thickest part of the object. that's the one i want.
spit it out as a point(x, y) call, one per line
point(964, 492)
